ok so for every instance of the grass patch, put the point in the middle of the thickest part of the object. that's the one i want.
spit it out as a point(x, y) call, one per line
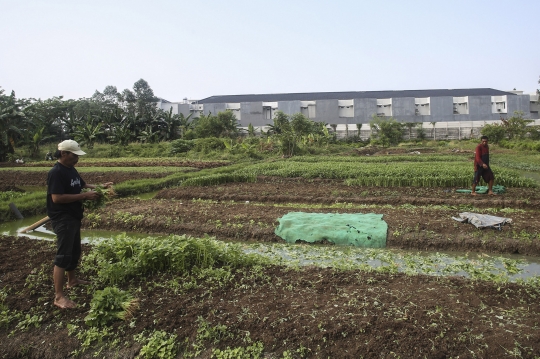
point(29, 204)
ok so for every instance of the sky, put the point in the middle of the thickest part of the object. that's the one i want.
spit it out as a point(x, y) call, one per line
point(198, 49)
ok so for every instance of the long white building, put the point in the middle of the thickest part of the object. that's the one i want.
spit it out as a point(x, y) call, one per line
point(443, 108)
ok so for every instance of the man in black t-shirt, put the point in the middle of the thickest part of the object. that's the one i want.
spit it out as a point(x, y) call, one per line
point(64, 208)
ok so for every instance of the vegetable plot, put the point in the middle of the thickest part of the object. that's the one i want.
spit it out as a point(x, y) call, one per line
point(392, 174)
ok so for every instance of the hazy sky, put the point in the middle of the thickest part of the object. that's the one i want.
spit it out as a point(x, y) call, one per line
point(197, 49)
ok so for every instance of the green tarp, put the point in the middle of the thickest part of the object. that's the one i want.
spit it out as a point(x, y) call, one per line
point(356, 229)
point(484, 189)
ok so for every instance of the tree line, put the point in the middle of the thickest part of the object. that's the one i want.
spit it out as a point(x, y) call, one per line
point(120, 118)
point(131, 115)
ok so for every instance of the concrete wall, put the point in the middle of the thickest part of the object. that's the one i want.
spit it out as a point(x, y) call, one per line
point(289, 107)
point(214, 108)
point(441, 109)
point(328, 112)
point(183, 108)
point(403, 109)
point(167, 106)
point(252, 112)
point(364, 109)
point(519, 103)
point(479, 108)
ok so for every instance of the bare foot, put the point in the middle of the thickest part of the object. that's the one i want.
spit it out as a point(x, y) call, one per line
point(491, 194)
point(473, 193)
point(64, 303)
point(77, 282)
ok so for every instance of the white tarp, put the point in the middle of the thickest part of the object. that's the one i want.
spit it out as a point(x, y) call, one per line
point(482, 220)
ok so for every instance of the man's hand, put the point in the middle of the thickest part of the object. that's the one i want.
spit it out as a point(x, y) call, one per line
point(484, 165)
point(107, 184)
point(91, 195)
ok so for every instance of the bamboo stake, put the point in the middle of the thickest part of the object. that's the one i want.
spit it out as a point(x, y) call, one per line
point(35, 225)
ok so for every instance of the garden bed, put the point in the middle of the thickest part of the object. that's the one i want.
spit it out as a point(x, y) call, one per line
point(275, 310)
point(418, 218)
point(312, 313)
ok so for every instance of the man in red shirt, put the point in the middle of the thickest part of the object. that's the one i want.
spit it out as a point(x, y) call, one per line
point(481, 167)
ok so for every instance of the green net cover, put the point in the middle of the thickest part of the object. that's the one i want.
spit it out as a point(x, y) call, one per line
point(484, 189)
point(352, 229)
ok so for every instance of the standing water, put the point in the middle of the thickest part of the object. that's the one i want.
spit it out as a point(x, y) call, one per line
point(473, 265)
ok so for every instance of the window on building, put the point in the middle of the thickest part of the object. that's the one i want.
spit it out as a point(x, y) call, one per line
point(498, 104)
point(196, 109)
point(384, 107)
point(421, 106)
point(346, 108)
point(307, 108)
point(269, 110)
point(461, 105)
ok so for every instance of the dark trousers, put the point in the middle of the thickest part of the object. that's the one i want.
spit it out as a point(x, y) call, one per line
point(68, 233)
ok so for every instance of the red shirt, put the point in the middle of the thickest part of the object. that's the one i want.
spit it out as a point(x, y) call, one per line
point(481, 156)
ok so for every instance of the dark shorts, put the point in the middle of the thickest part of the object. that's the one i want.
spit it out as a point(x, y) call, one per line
point(68, 233)
point(485, 173)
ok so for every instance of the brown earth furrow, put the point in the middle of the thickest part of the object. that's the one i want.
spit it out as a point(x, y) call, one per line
point(319, 311)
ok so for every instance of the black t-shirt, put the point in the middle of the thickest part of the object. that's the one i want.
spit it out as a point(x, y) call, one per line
point(64, 180)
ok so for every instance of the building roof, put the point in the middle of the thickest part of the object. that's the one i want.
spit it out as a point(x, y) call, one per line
point(313, 96)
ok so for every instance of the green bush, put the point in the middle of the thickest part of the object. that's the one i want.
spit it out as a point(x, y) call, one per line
point(386, 131)
point(209, 144)
point(495, 132)
point(252, 141)
point(524, 145)
point(181, 146)
point(134, 149)
point(534, 132)
point(29, 204)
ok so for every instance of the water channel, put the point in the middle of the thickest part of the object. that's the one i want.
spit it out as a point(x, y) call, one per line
point(477, 265)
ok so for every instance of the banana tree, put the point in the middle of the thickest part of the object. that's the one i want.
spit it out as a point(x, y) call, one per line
point(87, 133)
point(172, 126)
point(120, 134)
point(37, 139)
point(184, 124)
point(148, 135)
point(12, 123)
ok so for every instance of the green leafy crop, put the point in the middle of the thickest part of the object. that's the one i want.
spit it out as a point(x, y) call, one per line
point(111, 304)
point(105, 196)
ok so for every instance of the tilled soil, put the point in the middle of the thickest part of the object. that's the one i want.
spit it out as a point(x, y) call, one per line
point(10, 179)
point(141, 162)
point(312, 313)
point(417, 218)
